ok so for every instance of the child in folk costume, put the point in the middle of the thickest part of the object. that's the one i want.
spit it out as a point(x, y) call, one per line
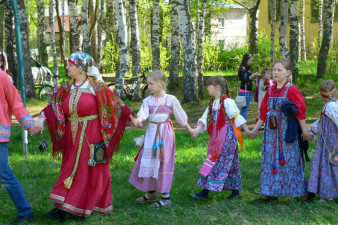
point(262, 84)
point(324, 172)
point(282, 171)
point(154, 167)
point(222, 148)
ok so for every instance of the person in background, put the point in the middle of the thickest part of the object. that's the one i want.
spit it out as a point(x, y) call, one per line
point(4, 64)
point(262, 84)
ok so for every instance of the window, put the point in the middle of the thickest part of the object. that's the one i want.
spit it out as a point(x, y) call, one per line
point(315, 11)
point(221, 44)
point(221, 22)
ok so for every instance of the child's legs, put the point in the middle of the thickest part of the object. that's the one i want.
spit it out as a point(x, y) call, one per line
point(248, 100)
point(12, 184)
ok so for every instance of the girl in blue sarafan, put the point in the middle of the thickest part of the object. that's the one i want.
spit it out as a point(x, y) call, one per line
point(324, 171)
point(282, 171)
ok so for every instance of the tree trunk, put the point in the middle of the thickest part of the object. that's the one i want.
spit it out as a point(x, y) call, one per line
point(123, 46)
point(2, 20)
point(294, 39)
point(283, 29)
point(61, 34)
point(189, 52)
point(85, 27)
point(302, 30)
point(253, 36)
point(333, 11)
point(155, 35)
point(93, 28)
point(74, 27)
point(273, 31)
point(99, 34)
point(52, 37)
point(200, 49)
point(320, 21)
point(175, 47)
point(29, 82)
point(42, 47)
point(327, 34)
point(11, 44)
point(135, 42)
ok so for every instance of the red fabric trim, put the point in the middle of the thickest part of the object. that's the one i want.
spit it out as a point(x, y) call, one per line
point(221, 118)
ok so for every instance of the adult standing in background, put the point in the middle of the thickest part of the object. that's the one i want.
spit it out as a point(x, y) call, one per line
point(246, 77)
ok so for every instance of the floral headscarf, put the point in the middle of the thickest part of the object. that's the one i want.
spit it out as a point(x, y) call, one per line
point(86, 63)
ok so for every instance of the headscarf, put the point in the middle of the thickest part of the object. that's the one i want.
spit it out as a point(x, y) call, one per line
point(86, 63)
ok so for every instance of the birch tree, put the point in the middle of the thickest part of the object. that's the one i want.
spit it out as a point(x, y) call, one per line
point(327, 34)
point(155, 35)
point(123, 47)
point(283, 29)
point(189, 52)
point(109, 21)
point(294, 39)
point(29, 82)
point(2, 20)
point(85, 27)
point(10, 43)
point(135, 42)
point(302, 30)
point(200, 36)
point(52, 36)
point(99, 34)
point(42, 47)
point(74, 27)
point(93, 28)
point(61, 33)
point(175, 47)
point(320, 20)
point(273, 30)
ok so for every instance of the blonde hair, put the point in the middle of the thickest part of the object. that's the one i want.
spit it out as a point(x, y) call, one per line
point(287, 65)
point(158, 75)
point(328, 89)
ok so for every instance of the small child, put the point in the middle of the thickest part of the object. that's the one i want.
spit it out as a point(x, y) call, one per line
point(282, 171)
point(154, 166)
point(324, 172)
point(222, 148)
point(262, 84)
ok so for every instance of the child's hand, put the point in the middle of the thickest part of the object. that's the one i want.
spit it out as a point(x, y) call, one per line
point(136, 122)
point(251, 134)
point(195, 132)
point(307, 136)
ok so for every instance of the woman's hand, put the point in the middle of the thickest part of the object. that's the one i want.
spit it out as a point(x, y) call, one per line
point(136, 122)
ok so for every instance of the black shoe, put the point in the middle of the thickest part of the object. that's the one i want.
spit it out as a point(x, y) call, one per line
point(56, 214)
point(234, 194)
point(197, 197)
point(23, 219)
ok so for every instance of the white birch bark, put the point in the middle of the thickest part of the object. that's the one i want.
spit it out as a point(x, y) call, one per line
point(135, 44)
point(175, 47)
point(302, 30)
point(155, 35)
point(283, 29)
point(99, 34)
point(85, 27)
point(253, 36)
point(200, 36)
point(189, 52)
point(42, 47)
point(327, 34)
point(273, 31)
point(123, 47)
point(74, 26)
point(61, 33)
point(52, 36)
point(294, 39)
point(320, 21)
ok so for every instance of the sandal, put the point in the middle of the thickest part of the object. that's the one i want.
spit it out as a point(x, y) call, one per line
point(145, 198)
point(161, 203)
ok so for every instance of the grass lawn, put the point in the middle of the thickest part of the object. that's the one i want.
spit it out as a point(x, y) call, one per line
point(39, 171)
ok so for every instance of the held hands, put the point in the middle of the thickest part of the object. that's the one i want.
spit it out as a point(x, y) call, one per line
point(307, 136)
point(37, 127)
point(136, 122)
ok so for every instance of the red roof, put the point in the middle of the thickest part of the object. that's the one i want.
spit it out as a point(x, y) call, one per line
point(56, 24)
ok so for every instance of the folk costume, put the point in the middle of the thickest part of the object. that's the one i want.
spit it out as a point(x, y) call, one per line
point(78, 117)
point(10, 102)
point(282, 171)
point(225, 173)
point(324, 174)
point(154, 165)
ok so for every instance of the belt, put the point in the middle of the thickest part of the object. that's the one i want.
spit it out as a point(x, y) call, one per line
point(160, 141)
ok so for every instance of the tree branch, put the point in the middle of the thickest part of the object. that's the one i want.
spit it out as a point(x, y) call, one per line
point(242, 5)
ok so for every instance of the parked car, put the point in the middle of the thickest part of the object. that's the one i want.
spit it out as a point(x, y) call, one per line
point(41, 74)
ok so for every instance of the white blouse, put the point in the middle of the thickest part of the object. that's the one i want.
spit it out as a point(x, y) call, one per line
point(231, 111)
point(331, 111)
point(168, 100)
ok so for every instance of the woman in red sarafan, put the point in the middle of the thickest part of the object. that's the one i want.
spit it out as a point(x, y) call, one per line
point(84, 112)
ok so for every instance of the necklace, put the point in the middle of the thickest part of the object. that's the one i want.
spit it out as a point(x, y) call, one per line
point(77, 86)
point(276, 97)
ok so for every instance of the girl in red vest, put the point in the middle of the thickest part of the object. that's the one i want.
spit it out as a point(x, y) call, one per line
point(222, 119)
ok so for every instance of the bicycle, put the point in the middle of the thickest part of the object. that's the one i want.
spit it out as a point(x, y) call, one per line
point(131, 92)
point(47, 91)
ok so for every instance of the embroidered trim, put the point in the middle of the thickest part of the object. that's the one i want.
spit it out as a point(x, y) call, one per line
point(57, 197)
point(5, 132)
point(27, 121)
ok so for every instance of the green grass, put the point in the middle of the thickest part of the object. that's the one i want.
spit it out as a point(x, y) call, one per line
point(39, 171)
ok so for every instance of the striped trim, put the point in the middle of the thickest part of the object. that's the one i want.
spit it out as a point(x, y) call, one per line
point(5, 132)
point(57, 197)
point(27, 121)
point(237, 115)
